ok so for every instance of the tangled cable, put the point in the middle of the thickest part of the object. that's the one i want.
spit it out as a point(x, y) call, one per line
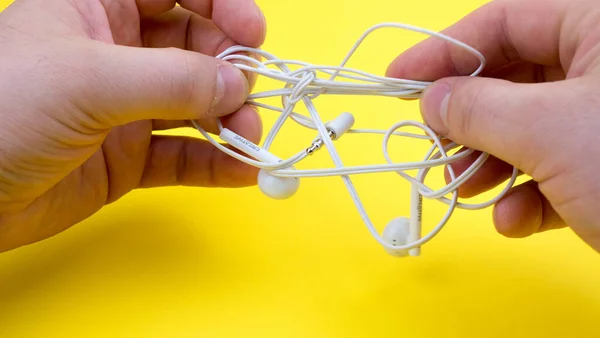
point(279, 178)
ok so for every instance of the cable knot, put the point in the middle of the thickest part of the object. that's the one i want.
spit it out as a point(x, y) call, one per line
point(298, 93)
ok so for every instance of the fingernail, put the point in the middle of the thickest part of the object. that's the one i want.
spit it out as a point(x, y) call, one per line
point(434, 106)
point(231, 92)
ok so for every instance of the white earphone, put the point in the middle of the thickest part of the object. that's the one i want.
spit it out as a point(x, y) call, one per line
point(280, 179)
point(277, 187)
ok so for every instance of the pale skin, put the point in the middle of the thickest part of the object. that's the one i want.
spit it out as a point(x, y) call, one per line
point(536, 107)
point(84, 83)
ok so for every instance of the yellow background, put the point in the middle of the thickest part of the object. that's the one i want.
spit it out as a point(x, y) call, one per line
point(192, 262)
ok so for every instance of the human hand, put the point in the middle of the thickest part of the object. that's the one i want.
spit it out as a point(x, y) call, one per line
point(536, 107)
point(80, 97)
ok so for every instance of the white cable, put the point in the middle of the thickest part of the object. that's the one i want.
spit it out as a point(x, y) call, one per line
point(304, 85)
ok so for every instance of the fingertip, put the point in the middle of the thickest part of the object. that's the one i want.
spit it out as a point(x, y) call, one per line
point(257, 123)
point(421, 62)
point(520, 213)
point(245, 122)
point(402, 66)
point(391, 70)
point(242, 20)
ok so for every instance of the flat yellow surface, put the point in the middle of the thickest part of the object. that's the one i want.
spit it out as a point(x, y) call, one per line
point(192, 262)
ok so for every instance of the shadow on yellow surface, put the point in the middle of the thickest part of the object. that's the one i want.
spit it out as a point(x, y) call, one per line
point(190, 262)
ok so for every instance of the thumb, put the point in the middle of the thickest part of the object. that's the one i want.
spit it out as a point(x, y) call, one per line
point(512, 121)
point(130, 84)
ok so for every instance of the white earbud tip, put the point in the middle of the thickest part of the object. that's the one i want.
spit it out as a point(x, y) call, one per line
point(396, 233)
point(278, 188)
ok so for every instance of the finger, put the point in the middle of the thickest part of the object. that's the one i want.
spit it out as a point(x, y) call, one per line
point(524, 211)
point(127, 151)
point(523, 72)
point(184, 29)
point(514, 122)
point(247, 120)
point(209, 125)
point(183, 161)
point(159, 125)
point(502, 31)
point(241, 20)
point(194, 162)
point(147, 84)
point(443, 141)
point(493, 173)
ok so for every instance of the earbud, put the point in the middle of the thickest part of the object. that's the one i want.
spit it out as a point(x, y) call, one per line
point(403, 230)
point(396, 233)
point(273, 186)
point(278, 188)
